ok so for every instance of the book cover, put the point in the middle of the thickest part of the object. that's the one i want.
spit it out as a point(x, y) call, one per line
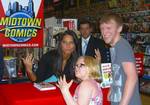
point(44, 86)
point(106, 75)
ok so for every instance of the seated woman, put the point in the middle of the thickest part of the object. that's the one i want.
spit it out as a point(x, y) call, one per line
point(88, 92)
point(57, 62)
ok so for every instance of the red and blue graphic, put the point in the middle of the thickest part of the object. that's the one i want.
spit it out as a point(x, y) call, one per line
point(21, 23)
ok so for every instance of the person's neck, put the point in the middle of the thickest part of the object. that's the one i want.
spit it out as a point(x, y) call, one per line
point(86, 77)
point(118, 37)
point(65, 57)
point(85, 38)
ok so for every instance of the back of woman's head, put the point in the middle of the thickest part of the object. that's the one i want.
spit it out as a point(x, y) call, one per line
point(93, 67)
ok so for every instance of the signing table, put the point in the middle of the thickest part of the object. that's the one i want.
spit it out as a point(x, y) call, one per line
point(26, 94)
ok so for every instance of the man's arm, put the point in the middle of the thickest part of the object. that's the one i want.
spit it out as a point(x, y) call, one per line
point(131, 80)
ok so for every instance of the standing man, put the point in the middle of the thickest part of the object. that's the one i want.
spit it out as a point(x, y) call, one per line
point(124, 89)
point(89, 45)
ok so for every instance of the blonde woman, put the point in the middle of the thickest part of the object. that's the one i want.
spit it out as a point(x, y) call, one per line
point(88, 92)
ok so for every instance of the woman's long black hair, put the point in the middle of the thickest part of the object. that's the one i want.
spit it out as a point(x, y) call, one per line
point(71, 61)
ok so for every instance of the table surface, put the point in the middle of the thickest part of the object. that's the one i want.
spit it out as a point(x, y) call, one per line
point(26, 94)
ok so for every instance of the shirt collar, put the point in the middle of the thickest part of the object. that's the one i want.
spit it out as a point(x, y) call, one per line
point(87, 39)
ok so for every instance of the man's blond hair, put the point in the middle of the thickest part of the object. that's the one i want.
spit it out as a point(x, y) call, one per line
point(106, 18)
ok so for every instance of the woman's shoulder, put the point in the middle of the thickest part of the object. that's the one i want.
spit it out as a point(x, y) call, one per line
point(50, 53)
point(48, 56)
point(90, 84)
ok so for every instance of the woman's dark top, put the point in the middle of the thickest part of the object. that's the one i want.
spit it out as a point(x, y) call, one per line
point(47, 67)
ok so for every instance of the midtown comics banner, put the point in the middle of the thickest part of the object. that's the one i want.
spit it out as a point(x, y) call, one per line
point(21, 23)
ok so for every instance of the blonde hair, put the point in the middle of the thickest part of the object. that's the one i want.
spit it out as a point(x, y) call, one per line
point(111, 16)
point(93, 66)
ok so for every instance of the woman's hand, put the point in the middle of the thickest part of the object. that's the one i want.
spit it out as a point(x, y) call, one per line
point(28, 61)
point(98, 56)
point(63, 85)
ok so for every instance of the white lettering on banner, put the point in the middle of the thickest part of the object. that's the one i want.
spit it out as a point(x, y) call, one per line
point(20, 45)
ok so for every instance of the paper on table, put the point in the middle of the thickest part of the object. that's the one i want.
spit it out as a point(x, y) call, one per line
point(44, 86)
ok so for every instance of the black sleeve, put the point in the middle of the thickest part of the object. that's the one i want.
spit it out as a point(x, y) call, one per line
point(105, 52)
point(45, 67)
point(1, 64)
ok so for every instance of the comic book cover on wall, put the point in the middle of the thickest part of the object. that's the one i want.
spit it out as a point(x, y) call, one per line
point(21, 23)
